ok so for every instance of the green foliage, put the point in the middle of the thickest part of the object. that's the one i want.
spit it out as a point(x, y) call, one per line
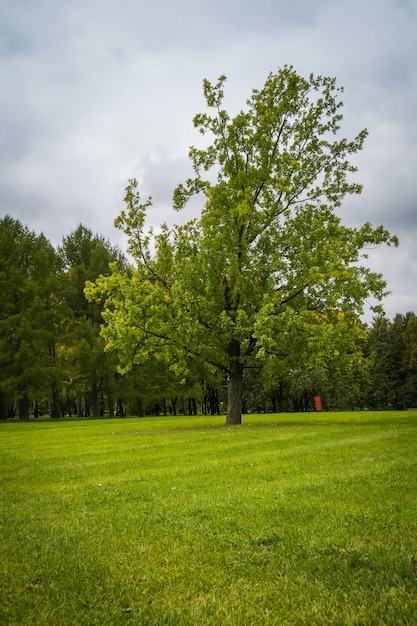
point(392, 346)
point(50, 349)
point(410, 359)
point(91, 372)
point(308, 521)
point(268, 254)
point(30, 316)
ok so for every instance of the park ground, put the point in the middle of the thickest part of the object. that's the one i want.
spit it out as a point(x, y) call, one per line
point(288, 519)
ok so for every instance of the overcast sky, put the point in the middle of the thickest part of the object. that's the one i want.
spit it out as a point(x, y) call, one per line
point(94, 92)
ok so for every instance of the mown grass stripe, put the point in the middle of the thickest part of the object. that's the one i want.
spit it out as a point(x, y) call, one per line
point(287, 519)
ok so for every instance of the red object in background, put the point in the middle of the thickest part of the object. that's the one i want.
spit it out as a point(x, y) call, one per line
point(317, 403)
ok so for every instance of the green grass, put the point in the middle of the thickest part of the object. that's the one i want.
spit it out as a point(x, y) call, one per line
point(288, 519)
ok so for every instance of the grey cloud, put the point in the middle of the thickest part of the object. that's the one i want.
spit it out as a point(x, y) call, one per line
point(97, 92)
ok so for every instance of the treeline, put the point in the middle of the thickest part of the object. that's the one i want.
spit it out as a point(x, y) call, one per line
point(382, 376)
point(53, 361)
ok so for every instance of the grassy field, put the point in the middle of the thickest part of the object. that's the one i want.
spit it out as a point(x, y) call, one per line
point(288, 520)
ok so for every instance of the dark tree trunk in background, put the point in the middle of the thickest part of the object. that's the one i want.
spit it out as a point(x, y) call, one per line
point(95, 400)
point(111, 405)
point(24, 407)
point(280, 396)
point(234, 385)
point(56, 404)
point(214, 401)
point(139, 407)
point(3, 410)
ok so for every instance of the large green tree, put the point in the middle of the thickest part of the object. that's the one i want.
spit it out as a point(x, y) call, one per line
point(268, 253)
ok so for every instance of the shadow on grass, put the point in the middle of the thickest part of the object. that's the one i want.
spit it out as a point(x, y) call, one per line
point(281, 425)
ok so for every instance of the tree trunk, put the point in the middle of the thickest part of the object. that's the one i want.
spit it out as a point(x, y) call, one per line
point(280, 396)
point(234, 394)
point(95, 399)
point(3, 410)
point(56, 405)
point(110, 404)
point(24, 407)
point(121, 408)
point(139, 407)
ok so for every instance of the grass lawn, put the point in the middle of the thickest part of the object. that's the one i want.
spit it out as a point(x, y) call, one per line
point(291, 519)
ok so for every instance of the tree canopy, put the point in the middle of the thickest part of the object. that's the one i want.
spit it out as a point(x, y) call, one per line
point(268, 263)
